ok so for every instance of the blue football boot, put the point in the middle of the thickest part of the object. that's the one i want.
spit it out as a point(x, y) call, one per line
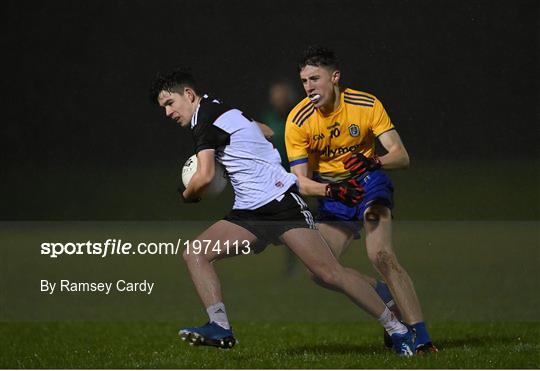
point(210, 334)
point(403, 344)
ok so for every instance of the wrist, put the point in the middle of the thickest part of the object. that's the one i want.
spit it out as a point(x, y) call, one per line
point(377, 163)
point(328, 191)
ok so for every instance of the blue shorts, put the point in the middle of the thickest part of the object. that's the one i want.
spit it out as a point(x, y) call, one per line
point(379, 191)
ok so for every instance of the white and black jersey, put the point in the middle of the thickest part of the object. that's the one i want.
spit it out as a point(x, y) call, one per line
point(252, 163)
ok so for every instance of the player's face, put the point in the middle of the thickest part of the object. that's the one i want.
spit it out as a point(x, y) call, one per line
point(319, 84)
point(178, 107)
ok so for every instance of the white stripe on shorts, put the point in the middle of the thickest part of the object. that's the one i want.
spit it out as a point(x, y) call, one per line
point(304, 210)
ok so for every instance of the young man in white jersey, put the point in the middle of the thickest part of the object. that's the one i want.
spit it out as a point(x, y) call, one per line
point(266, 208)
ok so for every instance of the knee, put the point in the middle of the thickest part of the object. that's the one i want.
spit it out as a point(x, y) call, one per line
point(385, 262)
point(198, 256)
point(316, 279)
point(371, 216)
point(374, 214)
point(326, 278)
point(189, 256)
point(186, 256)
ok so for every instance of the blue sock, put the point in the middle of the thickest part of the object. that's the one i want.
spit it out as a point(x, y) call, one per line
point(383, 291)
point(422, 336)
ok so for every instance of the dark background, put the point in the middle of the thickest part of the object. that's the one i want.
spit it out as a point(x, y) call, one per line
point(80, 139)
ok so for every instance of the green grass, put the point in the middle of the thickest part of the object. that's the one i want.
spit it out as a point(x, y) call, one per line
point(277, 345)
point(478, 283)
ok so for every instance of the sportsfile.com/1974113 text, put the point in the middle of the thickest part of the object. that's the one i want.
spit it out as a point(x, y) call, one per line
point(111, 247)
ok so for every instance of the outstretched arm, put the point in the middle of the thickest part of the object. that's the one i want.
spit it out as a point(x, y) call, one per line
point(348, 191)
point(306, 185)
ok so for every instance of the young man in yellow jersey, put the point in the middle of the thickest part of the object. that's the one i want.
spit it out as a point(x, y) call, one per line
point(330, 136)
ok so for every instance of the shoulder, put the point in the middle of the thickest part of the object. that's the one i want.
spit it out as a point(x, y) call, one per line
point(359, 98)
point(210, 109)
point(301, 112)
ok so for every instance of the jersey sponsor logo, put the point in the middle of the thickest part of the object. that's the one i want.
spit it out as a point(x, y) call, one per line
point(354, 130)
point(334, 125)
point(318, 136)
point(333, 152)
point(279, 184)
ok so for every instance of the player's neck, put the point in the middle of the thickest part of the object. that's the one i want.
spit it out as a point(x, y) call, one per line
point(333, 105)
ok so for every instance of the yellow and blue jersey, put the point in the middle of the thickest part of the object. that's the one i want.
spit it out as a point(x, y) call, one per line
point(324, 141)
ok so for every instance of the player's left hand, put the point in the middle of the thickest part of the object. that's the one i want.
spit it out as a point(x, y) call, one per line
point(358, 164)
point(181, 190)
point(349, 191)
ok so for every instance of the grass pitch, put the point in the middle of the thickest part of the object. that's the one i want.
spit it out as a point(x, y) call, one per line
point(476, 281)
point(277, 345)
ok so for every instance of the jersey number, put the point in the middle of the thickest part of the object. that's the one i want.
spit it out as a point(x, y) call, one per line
point(334, 133)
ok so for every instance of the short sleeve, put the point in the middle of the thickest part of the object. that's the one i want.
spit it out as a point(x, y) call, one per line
point(208, 136)
point(296, 142)
point(380, 122)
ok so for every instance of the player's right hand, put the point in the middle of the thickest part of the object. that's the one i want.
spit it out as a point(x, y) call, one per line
point(349, 191)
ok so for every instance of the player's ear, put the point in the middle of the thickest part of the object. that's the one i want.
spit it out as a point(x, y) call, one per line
point(335, 76)
point(190, 94)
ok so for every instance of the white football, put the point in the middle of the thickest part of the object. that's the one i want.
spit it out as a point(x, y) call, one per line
point(217, 185)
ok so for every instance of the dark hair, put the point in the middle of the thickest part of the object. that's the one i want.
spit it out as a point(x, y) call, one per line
point(319, 56)
point(173, 81)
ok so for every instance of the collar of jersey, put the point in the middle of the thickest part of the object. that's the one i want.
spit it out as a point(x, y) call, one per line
point(196, 113)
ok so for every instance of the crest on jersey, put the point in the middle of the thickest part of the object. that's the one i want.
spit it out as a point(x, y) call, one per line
point(354, 130)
